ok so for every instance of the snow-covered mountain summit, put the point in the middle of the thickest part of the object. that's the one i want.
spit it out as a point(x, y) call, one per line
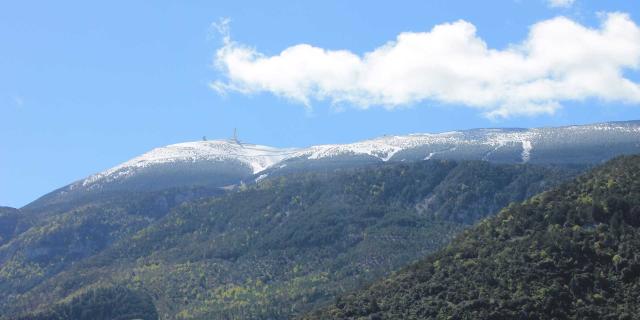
point(224, 162)
point(502, 145)
point(255, 157)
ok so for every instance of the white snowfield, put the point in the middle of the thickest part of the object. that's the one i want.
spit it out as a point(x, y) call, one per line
point(259, 158)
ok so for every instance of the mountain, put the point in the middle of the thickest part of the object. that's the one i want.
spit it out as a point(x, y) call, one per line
point(256, 228)
point(570, 253)
point(192, 164)
point(37, 245)
point(228, 162)
point(269, 250)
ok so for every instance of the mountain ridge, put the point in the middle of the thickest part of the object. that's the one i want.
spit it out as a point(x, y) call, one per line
point(208, 212)
point(219, 163)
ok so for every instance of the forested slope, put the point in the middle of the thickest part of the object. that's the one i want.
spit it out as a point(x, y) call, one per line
point(290, 243)
point(570, 253)
point(37, 244)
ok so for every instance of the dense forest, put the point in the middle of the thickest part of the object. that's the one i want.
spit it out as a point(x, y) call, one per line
point(113, 303)
point(10, 223)
point(38, 243)
point(287, 244)
point(570, 253)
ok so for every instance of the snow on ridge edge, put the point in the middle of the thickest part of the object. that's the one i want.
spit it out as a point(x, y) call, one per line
point(256, 157)
point(260, 158)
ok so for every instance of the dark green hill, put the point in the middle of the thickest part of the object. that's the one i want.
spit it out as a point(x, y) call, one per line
point(571, 253)
point(10, 223)
point(35, 245)
point(290, 243)
point(104, 303)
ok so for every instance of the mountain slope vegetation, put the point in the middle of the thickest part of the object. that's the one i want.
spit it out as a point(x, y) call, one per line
point(112, 302)
point(10, 223)
point(570, 253)
point(280, 247)
point(37, 244)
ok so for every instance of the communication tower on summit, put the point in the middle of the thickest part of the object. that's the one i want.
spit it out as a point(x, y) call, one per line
point(234, 138)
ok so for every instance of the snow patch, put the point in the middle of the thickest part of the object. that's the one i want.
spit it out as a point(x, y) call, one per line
point(526, 151)
point(262, 176)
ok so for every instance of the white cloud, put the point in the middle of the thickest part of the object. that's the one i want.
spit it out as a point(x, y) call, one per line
point(560, 3)
point(560, 60)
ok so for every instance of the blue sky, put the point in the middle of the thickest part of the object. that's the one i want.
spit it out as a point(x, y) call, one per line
point(85, 86)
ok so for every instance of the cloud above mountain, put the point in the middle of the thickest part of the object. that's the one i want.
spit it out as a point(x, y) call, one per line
point(560, 60)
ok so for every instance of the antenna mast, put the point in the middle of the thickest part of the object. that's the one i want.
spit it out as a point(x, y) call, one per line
point(235, 139)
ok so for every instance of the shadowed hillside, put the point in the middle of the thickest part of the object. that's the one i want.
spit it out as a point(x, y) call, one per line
point(289, 243)
point(571, 253)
